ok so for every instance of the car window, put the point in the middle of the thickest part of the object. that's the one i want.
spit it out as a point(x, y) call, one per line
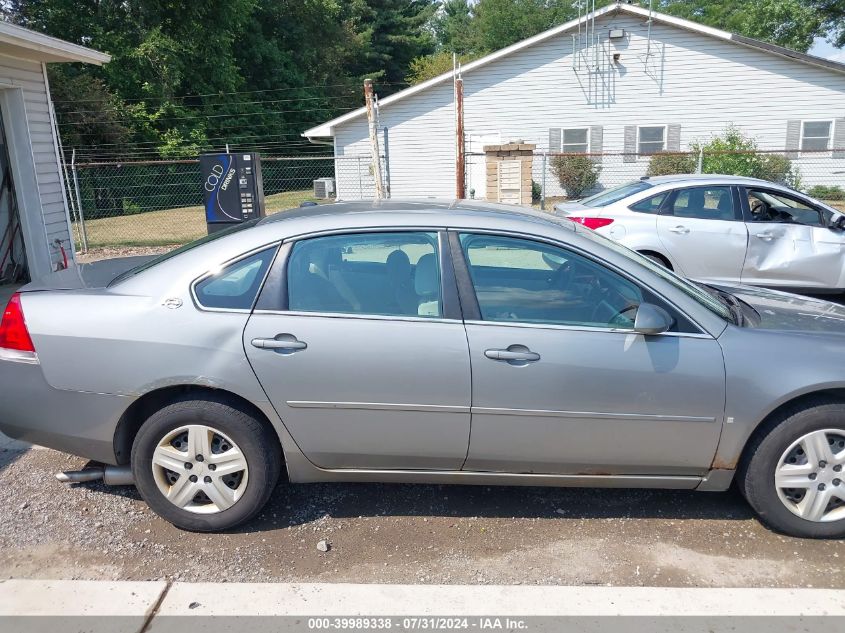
point(651, 204)
point(236, 286)
point(705, 203)
point(518, 280)
point(616, 194)
point(391, 274)
point(775, 206)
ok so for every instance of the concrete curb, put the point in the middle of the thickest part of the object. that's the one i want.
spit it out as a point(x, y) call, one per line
point(146, 599)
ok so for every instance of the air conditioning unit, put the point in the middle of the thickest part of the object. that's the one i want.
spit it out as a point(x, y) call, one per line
point(324, 188)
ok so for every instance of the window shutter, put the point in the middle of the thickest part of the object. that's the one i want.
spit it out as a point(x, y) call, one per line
point(673, 138)
point(839, 138)
point(596, 142)
point(630, 144)
point(793, 138)
point(554, 139)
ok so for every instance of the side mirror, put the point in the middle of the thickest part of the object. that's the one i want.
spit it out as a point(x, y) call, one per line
point(652, 320)
point(837, 222)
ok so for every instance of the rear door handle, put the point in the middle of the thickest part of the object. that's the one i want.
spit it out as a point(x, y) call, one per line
point(679, 229)
point(512, 355)
point(766, 235)
point(284, 344)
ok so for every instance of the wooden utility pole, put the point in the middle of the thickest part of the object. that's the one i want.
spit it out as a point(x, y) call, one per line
point(374, 149)
point(460, 154)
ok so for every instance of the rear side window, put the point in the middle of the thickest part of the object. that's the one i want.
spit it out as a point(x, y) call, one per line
point(236, 286)
point(649, 205)
point(389, 274)
point(704, 203)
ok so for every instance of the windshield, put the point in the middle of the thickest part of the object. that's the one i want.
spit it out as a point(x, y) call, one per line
point(707, 299)
point(616, 194)
point(183, 249)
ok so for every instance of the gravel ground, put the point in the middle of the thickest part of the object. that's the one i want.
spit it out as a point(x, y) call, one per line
point(404, 533)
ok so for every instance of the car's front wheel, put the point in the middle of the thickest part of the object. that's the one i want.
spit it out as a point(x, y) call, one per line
point(793, 474)
point(205, 465)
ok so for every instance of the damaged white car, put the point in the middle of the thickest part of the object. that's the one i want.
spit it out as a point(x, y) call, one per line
point(724, 229)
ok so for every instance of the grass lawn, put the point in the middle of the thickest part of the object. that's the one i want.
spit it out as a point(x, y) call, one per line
point(172, 226)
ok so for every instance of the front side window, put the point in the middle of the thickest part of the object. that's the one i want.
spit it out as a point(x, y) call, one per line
point(776, 206)
point(651, 139)
point(575, 140)
point(388, 274)
point(518, 280)
point(235, 286)
point(704, 203)
point(815, 135)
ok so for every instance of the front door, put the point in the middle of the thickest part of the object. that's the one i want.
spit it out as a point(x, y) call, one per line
point(790, 244)
point(358, 359)
point(702, 229)
point(562, 385)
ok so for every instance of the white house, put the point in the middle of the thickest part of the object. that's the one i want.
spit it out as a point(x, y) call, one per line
point(33, 208)
point(619, 80)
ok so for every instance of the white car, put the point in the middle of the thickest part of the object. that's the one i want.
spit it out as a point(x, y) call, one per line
point(726, 229)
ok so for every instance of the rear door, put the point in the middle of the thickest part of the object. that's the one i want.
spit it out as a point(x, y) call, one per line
point(357, 340)
point(702, 230)
point(790, 244)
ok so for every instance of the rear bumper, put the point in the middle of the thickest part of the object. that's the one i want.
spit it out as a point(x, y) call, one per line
point(70, 421)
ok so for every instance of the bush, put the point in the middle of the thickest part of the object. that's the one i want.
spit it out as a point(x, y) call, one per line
point(536, 191)
point(827, 192)
point(667, 164)
point(779, 169)
point(577, 174)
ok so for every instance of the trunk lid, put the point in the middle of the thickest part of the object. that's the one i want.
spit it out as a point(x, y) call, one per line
point(87, 276)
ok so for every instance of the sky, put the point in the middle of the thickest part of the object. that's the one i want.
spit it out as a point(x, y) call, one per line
point(821, 48)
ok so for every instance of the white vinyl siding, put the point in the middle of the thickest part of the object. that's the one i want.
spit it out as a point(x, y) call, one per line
point(694, 84)
point(28, 76)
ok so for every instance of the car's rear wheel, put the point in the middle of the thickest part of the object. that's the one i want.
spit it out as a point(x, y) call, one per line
point(793, 474)
point(205, 465)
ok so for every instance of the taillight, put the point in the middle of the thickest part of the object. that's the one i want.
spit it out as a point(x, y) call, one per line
point(13, 332)
point(591, 223)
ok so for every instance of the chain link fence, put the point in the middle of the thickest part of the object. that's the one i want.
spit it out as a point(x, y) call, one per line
point(159, 203)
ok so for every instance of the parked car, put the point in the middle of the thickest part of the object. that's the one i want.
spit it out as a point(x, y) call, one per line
point(425, 342)
point(724, 229)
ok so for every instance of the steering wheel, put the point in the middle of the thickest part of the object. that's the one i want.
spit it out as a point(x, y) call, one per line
point(760, 210)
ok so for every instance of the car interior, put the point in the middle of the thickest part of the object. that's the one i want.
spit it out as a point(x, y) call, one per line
point(715, 203)
point(769, 206)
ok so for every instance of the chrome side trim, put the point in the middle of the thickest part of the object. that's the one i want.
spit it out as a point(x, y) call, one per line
point(17, 356)
point(584, 328)
point(377, 406)
point(362, 317)
point(544, 413)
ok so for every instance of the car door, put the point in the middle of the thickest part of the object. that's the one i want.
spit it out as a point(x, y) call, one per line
point(359, 345)
point(702, 230)
point(790, 244)
point(561, 383)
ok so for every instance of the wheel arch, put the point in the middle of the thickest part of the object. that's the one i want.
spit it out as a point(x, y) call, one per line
point(659, 255)
point(141, 409)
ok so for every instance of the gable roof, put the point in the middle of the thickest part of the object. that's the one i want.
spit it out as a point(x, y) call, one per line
point(327, 128)
point(17, 41)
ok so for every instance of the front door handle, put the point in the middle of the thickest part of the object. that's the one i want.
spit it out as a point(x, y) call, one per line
point(766, 236)
point(679, 229)
point(514, 353)
point(283, 342)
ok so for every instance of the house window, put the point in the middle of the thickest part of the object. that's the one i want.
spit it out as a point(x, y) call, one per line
point(815, 135)
point(575, 140)
point(651, 139)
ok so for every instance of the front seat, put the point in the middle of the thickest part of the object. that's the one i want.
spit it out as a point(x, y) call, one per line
point(427, 285)
point(725, 206)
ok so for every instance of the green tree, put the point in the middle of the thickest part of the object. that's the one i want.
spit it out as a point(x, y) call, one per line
point(429, 66)
point(452, 25)
point(832, 14)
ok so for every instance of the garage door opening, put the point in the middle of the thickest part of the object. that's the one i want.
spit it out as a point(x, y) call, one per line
point(13, 268)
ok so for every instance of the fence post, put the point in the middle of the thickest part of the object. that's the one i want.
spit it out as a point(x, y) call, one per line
point(543, 185)
point(360, 182)
point(80, 212)
point(700, 166)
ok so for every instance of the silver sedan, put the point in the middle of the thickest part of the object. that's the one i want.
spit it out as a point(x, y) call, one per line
point(462, 343)
point(724, 229)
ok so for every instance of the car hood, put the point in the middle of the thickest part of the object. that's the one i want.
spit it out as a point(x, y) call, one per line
point(85, 276)
point(790, 312)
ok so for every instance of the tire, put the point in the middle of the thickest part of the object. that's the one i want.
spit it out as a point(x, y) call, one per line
point(777, 448)
point(222, 424)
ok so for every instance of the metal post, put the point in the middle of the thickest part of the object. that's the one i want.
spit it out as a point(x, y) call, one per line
point(543, 185)
point(374, 150)
point(79, 202)
point(360, 182)
point(460, 153)
point(700, 167)
point(386, 163)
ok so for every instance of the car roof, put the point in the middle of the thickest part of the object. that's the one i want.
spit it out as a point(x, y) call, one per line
point(699, 178)
point(420, 207)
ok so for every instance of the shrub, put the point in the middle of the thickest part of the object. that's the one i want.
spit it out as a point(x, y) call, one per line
point(536, 191)
point(577, 174)
point(827, 192)
point(667, 164)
